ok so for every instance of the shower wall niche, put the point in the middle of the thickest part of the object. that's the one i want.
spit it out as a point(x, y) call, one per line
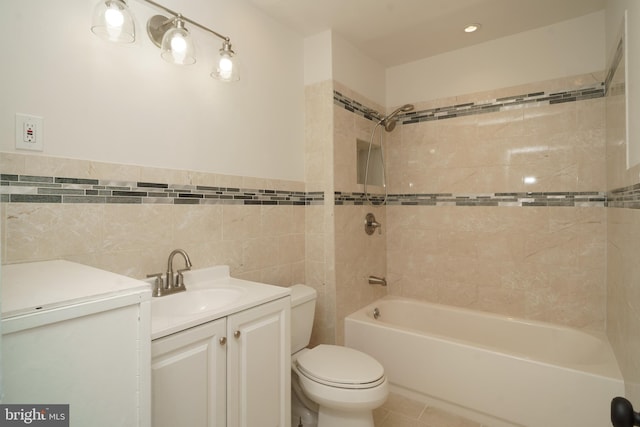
point(375, 175)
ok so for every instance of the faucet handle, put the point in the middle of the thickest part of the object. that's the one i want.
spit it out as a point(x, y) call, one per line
point(158, 285)
point(180, 277)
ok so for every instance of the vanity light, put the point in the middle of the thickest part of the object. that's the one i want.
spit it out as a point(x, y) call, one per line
point(472, 28)
point(170, 35)
point(227, 68)
point(113, 22)
point(529, 179)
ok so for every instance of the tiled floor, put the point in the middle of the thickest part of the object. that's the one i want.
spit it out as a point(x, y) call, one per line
point(399, 411)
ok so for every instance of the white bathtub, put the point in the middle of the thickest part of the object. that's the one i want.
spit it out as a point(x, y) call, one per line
point(497, 370)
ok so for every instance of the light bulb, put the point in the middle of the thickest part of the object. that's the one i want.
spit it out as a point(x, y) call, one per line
point(114, 17)
point(178, 48)
point(178, 44)
point(114, 20)
point(226, 67)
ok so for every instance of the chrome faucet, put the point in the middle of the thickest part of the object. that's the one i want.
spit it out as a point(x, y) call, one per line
point(375, 280)
point(178, 283)
point(172, 284)
point(370, 224)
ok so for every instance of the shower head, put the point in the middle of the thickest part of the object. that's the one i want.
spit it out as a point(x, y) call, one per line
point(389, 122)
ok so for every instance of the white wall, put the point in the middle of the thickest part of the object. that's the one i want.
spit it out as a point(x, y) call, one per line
point(329, 56)
point(357, 71)
point(569, 48)
point(614, 16)
point(317, 58)
point(124, 104)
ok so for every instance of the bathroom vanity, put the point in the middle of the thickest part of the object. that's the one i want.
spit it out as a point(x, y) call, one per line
point(220, 353)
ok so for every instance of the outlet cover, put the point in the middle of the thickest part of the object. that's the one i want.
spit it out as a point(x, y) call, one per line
point(29, 132)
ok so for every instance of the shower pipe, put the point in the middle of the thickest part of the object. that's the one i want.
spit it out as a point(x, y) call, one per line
point(389, 124)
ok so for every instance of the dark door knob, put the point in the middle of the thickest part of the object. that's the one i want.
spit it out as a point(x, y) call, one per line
point(622, 413)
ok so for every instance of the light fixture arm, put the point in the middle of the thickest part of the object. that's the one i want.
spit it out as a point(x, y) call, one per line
point(189, 20)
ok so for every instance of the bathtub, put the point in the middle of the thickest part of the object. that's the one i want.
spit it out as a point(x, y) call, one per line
point(497, 370)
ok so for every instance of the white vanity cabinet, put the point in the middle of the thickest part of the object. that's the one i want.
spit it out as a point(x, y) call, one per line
point(188, 377)
point(259, 366)
point(230, 372)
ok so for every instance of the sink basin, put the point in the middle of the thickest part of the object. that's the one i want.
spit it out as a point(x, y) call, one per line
point(211, 294)
point(193, 302)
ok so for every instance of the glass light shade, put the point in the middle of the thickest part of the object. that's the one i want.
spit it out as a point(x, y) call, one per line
point(227, 66)
point(177, 46)
point(113, 22)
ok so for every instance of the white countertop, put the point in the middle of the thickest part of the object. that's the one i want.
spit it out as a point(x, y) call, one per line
point(39, 286)
point(254, 294)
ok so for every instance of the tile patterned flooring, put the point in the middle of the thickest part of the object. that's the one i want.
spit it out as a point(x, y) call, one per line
point(400, 411)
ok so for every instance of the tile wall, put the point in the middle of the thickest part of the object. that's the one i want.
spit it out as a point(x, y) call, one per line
point(127, 219)
point(623, 247)
point(497, 201)
point(357, 255)
point(320, 235)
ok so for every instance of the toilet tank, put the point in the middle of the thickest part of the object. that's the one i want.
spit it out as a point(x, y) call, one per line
point(303, 307)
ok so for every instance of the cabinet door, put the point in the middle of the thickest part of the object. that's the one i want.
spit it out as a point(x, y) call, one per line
point(91, 362)
point(188, 377)
point(259, 366)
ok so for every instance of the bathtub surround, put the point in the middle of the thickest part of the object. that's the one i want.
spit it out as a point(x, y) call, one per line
point(462, 226)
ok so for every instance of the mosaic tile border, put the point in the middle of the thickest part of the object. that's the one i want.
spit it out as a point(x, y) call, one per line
point(625, 197)
point(44, 189)
point(355, 107)
point(548, 199)
point(472, 108)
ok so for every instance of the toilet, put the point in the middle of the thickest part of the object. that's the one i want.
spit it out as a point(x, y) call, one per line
point(341, 385)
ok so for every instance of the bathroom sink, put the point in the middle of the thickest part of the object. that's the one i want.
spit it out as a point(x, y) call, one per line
point(195, 301)
point(211, 294)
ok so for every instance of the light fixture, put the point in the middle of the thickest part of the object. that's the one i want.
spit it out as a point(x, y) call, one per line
point(472, 28)
point(113, 22)
point(227, 67)
point(170, 35)
point(177, 47)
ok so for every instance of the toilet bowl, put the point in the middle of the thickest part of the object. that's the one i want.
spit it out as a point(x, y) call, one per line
point(343, 384)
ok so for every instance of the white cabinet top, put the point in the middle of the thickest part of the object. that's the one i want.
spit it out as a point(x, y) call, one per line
point(40, 286)
point(211, 294)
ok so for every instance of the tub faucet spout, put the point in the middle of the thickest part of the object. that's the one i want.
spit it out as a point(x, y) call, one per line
point(375, 280)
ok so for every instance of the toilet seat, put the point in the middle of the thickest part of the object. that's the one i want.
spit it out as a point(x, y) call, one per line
point(340, 367)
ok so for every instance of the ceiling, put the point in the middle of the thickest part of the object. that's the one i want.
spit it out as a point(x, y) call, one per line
point(395, 32)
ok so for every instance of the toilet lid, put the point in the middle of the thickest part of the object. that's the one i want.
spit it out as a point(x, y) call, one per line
point(339, 366)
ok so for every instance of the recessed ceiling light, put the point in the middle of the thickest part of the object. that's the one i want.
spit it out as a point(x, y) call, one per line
point(472, 28)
